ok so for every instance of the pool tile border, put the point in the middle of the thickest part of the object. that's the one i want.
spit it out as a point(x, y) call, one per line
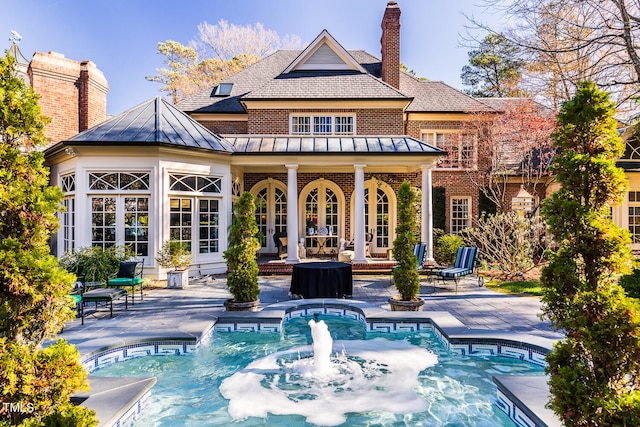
point(449, 331)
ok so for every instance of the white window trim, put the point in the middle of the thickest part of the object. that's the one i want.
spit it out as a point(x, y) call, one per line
point(333, 124)
point(469, 215)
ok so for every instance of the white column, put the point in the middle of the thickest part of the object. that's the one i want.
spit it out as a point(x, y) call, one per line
point(358, 216)
point(427, 211)
point(292, 214)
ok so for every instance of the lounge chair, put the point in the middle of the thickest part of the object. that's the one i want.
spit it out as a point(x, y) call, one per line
point(129, 276)
point(464, 265)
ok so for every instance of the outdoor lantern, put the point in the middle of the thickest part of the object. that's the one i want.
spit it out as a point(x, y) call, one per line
point(523, 202)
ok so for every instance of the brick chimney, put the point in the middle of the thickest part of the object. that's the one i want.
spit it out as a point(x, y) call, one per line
point(390, 42)
point(72, 94)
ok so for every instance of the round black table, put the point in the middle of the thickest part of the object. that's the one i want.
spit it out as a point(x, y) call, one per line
point(322, 280)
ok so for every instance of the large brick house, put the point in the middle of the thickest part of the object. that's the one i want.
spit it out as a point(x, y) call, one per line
point(323, 137)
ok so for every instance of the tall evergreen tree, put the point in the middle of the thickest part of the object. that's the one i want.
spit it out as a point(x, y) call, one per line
point(594, 370)
point(495, 69)
point(34, 290)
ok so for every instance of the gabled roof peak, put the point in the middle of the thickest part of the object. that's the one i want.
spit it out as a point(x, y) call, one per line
point(324, 53)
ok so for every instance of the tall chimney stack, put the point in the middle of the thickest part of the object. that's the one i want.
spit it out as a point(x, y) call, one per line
point(390, 42)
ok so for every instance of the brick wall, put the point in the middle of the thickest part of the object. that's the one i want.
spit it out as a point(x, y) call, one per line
point(72, 94)
point(226, 128)
point(390, 45)
point(368, 121)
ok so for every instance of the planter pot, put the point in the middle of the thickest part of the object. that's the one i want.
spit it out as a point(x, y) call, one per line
point(400, 305)
point(178, 279)
point(231, 305)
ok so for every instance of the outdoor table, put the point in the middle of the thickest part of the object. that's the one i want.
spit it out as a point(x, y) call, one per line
point(322, 280)
point(321, 240)
point(103, 295)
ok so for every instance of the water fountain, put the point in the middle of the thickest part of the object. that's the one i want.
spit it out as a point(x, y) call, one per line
point(327, 380)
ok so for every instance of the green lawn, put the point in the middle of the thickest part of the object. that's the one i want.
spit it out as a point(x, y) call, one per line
point(527, 288)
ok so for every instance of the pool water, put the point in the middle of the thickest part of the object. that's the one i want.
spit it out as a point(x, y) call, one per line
point(376, 379)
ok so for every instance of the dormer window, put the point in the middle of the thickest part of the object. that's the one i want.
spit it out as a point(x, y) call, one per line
point(223, 89)
point(322, 125)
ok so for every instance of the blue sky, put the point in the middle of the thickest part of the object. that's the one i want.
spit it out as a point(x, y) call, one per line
point(121, 36)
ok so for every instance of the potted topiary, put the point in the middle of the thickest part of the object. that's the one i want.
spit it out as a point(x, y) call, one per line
point(241, 256)
point(177, 257)
point(405, 275)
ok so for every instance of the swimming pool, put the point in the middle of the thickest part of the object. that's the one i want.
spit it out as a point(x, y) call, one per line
point(382, 379)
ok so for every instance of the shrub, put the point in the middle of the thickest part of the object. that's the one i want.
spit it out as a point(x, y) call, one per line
point(508, 242)
point(631, 282)
point(94, 263)
point(446, 248)
point(174, 255)
point(241, 257)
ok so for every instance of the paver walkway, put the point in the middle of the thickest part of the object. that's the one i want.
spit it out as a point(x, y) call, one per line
point(186, 312)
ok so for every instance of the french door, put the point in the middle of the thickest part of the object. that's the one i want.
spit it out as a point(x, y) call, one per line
point(271, 212)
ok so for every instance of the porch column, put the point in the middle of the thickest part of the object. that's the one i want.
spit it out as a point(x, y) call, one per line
point(427, 211)
point(358, 216)
point(292, 214)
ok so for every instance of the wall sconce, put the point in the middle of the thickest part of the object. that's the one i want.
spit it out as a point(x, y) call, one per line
point(70, 151)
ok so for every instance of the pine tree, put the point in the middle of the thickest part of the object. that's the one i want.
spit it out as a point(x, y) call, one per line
point(34, 290)
point(594, 370)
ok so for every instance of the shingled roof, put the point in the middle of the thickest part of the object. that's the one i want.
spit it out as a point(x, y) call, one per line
point(151, 123)
point(265, 80)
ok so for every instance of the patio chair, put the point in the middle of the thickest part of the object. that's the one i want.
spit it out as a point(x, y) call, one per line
point(280, 240)
point(129, 276)
point(419, 250)
point(464, 265)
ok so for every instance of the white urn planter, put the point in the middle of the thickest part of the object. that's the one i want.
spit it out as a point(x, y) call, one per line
point(178, 279)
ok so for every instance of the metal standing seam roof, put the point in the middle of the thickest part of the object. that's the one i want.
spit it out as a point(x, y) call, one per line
point(294, 144)
point(153, 122)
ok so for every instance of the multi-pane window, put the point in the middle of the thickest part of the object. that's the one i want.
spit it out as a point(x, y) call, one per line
point(120, 210)
point(68, 185)
point(322, 125)
point(343, 125)
point(461, 150)
point(180, 215)
point(460, 214)
point(194, 212)
point(209, 213)
point(136, 224)
point(103, 221)
point(301, 125)
point(634, 216)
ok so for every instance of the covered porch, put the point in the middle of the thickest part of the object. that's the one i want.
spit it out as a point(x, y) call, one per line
point(320, 192)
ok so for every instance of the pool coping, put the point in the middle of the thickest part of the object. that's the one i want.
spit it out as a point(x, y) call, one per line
point(521, 407)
